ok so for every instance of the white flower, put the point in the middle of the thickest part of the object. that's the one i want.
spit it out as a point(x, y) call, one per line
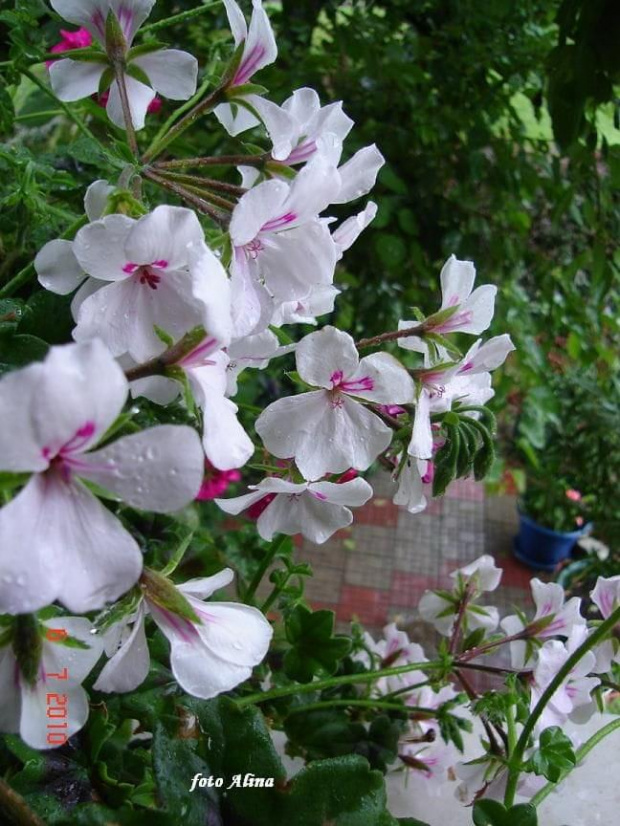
point(281, 249)
point(225, 442)
point(467, 381)
point(259, 50)
point(156, 271)
point(414, 484)
point(328, 431)
point(473, 311)
point(574, 693)
point(250, 351)
point(211, 654)
point(58, 541)
point(350, 230)
point(52, 705)
point(441, 609)
point(319, 301)
point(552, 618)
point(170, 72)
point(396, 649)
point(316, 510)
point(606, 597)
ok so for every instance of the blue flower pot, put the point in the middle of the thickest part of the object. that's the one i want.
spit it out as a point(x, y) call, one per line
point(543, 548)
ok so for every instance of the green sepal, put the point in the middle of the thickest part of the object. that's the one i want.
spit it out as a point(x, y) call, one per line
point(138, 74)
point(161, 591)
point(84, 56)
point(27, 646)
point(115, 43)
point(236, 92)
point(163, 336)
point(115, 613)
point(446, 461)
point(105, 81)
point(145, 48)
point(233, 65)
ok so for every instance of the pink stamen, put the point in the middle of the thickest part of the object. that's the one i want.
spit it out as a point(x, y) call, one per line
point(361, 385)
point(279, 223)
point(253, 248)
point(148, 277)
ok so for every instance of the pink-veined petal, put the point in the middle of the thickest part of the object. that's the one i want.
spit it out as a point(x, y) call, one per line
point(164, 236)
point(388, 381)
point(457, 281)
point(326, 354)
point(258, 206)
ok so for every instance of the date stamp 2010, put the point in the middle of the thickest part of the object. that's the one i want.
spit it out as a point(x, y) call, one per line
point(57, 710)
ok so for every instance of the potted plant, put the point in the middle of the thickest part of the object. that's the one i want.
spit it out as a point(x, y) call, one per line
point(552, 517)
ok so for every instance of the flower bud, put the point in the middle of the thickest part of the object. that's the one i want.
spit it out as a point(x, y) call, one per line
point(161, 591)
point(115, 42)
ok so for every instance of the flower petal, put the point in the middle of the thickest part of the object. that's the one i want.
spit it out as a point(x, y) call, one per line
point(212, 289)
point(354, 493)
point(327, 352)
point(350, 230)
point(164, 235)
point(79, 662)
point(391, 383)
point(96, 199)
point(259, 205)
point(171, 72)
point(457, 281)
point(100, 247)
point(160, 469)
point(359, 174)
point(139, 96)
point(73, 80)
point(59, 542)
point(129, 666)
point(421, 444)
point(58, 268)
point(21, 443)
point(204, 587)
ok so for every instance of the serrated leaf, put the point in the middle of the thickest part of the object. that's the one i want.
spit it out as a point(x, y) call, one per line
point(494, 813)
point(314, 648)
point(554, 756)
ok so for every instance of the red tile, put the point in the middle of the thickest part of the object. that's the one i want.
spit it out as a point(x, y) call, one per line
point(378, 511)
point(408, 588)
point(516, 574)
point(467, 489)
point(367, 604)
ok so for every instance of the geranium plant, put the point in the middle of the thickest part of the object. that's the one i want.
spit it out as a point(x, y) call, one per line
point(119, 648)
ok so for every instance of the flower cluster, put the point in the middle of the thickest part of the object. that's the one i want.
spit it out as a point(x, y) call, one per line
point(170, 308)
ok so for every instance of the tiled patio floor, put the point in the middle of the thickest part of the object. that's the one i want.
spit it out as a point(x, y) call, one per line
point(377, 570)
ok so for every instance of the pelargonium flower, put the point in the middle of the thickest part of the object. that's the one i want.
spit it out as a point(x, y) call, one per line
point(259, 50)
point(214, 646)
point(226, 444)
point(606, 597)
point(314, 509)
point(573, 696)
point(441, 608)
point(41, 688)
point(442, 385)
point(170, 72)
point(330, 430)
point(281, 249)
point(58, 541)
point(471, 312)
point(553, 618)
point(153, 272)
point(396, 649)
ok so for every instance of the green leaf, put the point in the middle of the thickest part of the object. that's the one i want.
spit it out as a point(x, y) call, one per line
point(19, 351)
point(494, 813)
point(48, 316)
point(554, 756)
point(175, 763)
point(314, 648)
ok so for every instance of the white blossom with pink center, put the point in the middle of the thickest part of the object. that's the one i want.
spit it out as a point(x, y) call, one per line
point(331, 430)
point(314, 509)
point(26, 707)
point(58, 541)
point(207, 657)
point(467, 381)
point(170, 72)
point(281, 249)
point(154, 272)
point(473, 310)
point(553, 618)
point(573, 697)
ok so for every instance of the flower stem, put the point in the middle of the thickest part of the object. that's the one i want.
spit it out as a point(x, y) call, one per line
point(195, 200)
point(215, 160)
point(16, 808)
point(157, 366)
point(419, 711)
point(517, 757)
point(179, 18)
point(580, 754)
point(201, 108)
point(333, 682)
point(206, 183)
point(66, 109)
point(272, 552)
point(119, 73)
point(395, 334)
point(482, 649)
